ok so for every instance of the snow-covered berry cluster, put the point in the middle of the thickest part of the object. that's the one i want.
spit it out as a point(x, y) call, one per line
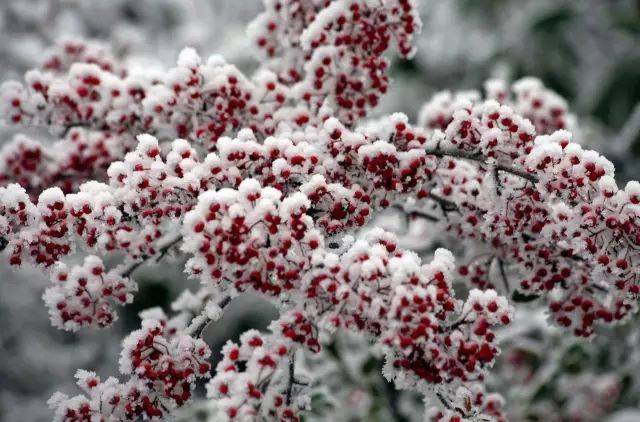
point(255, 378)
point(542, 205)
point(80, 156)
point(84, 295)
point(67, 52)
point(330, 52)
point(472, 404)
point(163, 364)
point(266, 181)
point(432, 340)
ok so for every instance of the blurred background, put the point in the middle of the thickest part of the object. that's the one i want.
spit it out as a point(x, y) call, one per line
point(586, 50)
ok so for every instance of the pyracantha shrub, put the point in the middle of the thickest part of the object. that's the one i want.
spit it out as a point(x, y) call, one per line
point(266, 183)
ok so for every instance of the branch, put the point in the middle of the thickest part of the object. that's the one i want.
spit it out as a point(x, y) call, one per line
point(503, 274)
point(463, 155)
point(164, 249)
point(205, 320)
point(292, 368)
point(67, 128)
point(417, 213)
point(459, 322)
point(445, 204)
point(449, 406)
point(444, 401)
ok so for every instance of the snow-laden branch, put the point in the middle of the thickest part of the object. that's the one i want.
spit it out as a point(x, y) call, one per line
point(270, 176)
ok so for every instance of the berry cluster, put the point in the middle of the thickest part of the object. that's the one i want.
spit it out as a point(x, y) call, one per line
point(267, 181)
point(162, 363)
point(470, 405)
point(542, 205)
point(79, 157)
point(85, 295)
point(330, 52)
point(431, 339)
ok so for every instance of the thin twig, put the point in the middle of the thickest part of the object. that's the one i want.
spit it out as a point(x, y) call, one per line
point(445, 204)
point(292, 368)
point(482, 159)
point(417, 213)
point(129, 270)
point(199, 329)
point(444, 401)
point(505, 280)
point(164, 249)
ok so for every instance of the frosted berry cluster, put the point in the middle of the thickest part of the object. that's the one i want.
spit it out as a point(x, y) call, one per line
point(473, 404)
point(330, 52)
point(78, 157)
point(162, 364)
point(547, 208)
point(83, 85)
point(264, 182)
point(431, 339)
point(85, 296)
